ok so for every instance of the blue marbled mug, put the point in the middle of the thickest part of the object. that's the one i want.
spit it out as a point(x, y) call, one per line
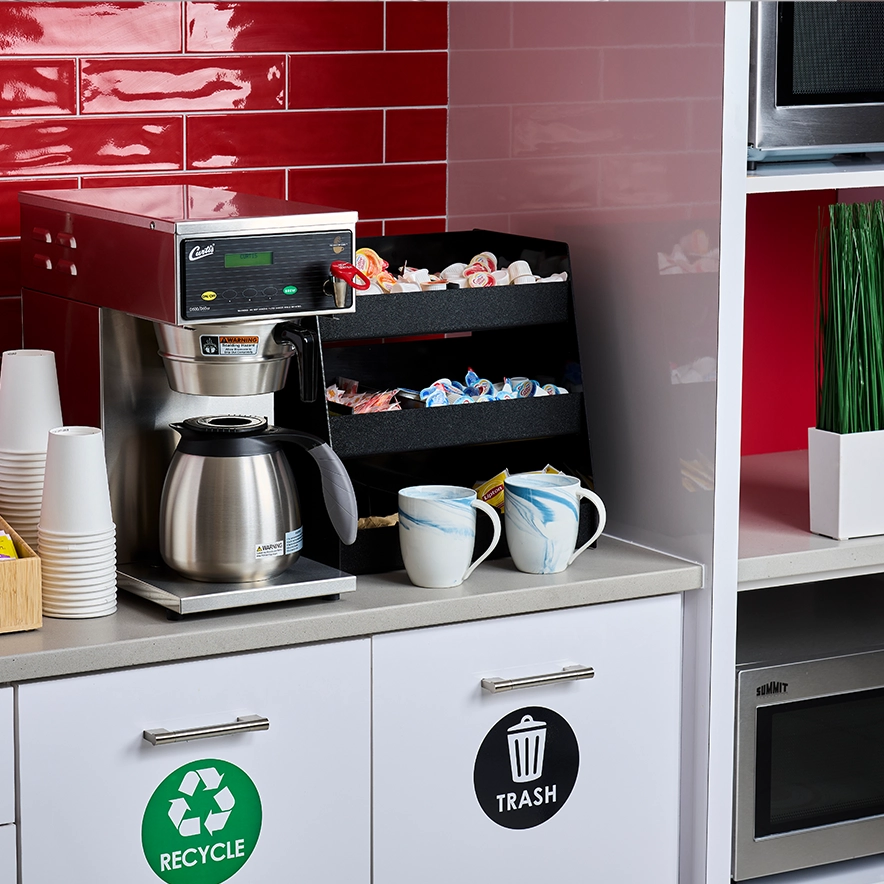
point(437, 532)
point(542, 512)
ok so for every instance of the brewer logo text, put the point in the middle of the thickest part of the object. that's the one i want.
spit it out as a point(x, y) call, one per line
point(196, 252)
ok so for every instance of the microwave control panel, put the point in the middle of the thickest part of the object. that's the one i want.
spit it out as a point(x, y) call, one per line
point(239, 277)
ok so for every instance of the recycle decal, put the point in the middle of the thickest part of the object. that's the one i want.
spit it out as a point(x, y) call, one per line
point(202, 823)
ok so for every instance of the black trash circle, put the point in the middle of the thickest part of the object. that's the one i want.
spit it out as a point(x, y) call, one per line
point(526, 767)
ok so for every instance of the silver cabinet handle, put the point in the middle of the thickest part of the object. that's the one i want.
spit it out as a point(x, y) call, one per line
point(569, 673)
point(245, 723)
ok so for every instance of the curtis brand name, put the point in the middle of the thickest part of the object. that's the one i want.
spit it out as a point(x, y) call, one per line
point(196, 252)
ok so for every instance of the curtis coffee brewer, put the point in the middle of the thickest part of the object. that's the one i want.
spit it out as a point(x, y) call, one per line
point(175, 313)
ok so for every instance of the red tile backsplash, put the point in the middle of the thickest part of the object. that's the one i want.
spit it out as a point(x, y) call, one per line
point(416, 135)
point(388, 191)
point(285, 27)
point(119, 86)
point(35, 88)
point(382, 79)
point(413, 25)
point(341, 103)
point(298, 138)
point(89, 28)
point(77, 145)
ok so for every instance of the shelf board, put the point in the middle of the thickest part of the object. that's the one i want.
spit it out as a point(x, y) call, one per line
point(360, 435)
point(782, 177)
point(776, 546)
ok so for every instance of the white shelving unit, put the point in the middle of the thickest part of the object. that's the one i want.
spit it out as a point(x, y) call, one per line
point(791, 177)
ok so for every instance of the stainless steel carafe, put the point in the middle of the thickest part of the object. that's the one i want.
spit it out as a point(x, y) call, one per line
point(229, 511)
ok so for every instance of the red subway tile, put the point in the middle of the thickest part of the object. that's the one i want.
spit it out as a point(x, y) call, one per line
point(368, 228)
point(89, 28)
point(480, 25)
point(708, 23)
point(422, 25)
point(370, 80)
point(374, 191)
point(414, 225)
point(661, 179)
point(601, 24)
point(479, 133)
point(270, 182)
point(10, 308)
point(154, 85)
point(9, 190)
point(88, 145)
point(283, 26)
point(285, 139)
point(524, 76)
point(671, 72)
point(414, 136)
point(32, 88)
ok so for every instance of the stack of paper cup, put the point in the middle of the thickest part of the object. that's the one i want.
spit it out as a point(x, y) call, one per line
point(76, 534)
point(29, 408)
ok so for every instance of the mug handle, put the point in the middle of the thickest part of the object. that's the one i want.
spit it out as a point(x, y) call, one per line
point(495, 521)
point(603, 518)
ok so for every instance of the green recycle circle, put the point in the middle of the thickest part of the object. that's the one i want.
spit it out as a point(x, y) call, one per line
point(194, 842)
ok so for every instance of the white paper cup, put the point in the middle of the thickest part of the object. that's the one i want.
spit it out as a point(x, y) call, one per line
point(77, 568)
point(76, 497)
point(76, 614)
point(29, 402)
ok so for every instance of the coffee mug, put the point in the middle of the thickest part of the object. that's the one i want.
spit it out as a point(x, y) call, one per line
point(437, 532)
point(542, 512)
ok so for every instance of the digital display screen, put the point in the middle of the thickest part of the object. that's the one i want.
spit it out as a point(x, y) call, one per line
point(247, 259)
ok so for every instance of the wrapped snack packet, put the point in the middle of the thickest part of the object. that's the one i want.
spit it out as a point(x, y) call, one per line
point(7, 547)
point(492, 490)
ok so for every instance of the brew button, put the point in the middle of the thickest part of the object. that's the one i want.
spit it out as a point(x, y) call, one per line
point(67, 267)
point(41, 234)
point(270, 291)
point(249, 293)
point(66, 240)
point(43, 261)
point(229, 294)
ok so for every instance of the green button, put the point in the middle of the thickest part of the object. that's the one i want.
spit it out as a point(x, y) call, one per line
point(289, 289)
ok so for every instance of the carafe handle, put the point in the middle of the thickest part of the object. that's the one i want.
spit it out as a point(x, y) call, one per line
point(304, 342)
point(337, 489)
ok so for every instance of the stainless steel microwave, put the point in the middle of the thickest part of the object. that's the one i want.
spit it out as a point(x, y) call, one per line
point(809, 777)
point(816, 80)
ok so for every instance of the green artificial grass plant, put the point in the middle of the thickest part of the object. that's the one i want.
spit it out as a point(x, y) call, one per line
point(850, 319)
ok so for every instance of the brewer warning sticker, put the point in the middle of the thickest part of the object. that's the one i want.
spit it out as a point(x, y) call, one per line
point(526, 768)
point(202, 823)
point(229, 345)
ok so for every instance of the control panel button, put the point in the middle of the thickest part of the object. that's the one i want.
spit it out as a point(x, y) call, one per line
point(43, 261)
point(66, 240)
point(229, 294)
point(41, 234)
point(290, 290)
point(67, 267)
point(249, 293)
point(209, 296)
point(270, 291)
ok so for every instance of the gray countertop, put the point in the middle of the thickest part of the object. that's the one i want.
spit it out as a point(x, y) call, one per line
point(140, 633)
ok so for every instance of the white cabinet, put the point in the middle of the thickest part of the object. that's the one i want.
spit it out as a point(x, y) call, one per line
point(100, 803)
point(7, 853)
point(7, 758)
point(471, 785)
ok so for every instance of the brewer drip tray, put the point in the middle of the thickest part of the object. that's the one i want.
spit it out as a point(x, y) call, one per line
point(304, 580)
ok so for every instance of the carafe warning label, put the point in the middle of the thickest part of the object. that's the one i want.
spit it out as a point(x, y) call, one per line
point(526, 767)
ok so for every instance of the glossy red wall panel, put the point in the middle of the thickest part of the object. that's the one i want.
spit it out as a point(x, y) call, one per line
point(346, 99)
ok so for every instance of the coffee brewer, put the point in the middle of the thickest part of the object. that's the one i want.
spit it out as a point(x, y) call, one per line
point(170, 302)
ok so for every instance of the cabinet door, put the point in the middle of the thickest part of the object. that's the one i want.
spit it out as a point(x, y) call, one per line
point(7, 758)
point(100, 803)
point(573, 781)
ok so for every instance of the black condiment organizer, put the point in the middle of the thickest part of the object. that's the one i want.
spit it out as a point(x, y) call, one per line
point(410, 340)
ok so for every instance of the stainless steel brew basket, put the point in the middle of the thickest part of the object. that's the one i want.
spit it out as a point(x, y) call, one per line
point(224, 358)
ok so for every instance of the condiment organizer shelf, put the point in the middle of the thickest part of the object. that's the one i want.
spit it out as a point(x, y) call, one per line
point(411, 339)
point(21, 599)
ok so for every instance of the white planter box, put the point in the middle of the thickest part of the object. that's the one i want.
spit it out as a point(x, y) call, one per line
point(846, 474)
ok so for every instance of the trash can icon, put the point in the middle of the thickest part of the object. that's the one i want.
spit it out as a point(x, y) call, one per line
point(527, 740)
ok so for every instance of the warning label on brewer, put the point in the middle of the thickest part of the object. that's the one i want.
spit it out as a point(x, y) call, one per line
point(229, 345)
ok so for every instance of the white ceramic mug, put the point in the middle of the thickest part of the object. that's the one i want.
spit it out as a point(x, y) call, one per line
point(542, 512)
point(437, 532)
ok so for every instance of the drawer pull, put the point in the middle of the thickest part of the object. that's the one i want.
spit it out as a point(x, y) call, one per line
point(569, 673)
point(245, 723)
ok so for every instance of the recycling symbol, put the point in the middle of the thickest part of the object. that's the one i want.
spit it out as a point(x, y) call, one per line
point(215, 819)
